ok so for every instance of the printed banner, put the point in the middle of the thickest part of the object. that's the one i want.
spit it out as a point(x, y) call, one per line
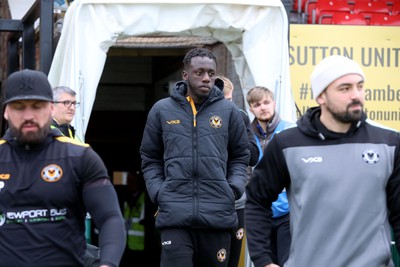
point(375, 48)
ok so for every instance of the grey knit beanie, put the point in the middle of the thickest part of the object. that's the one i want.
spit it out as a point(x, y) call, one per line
point(331, 68)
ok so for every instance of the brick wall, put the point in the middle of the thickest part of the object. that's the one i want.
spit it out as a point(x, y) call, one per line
point(4, 14)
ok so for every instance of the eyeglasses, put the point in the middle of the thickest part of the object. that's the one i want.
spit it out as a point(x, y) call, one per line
point(68, 103)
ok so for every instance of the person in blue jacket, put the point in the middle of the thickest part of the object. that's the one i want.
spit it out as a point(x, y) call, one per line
point(265, 125)
point(194, 158)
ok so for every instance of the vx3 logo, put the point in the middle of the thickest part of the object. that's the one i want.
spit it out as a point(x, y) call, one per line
point(174, 122)
point(166, 243)
point(312, 160)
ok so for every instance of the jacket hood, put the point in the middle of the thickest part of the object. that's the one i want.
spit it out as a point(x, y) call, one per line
point(310, 125)
point(180, 90)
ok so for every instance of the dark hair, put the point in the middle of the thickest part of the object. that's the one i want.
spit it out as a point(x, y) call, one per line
point(197, 52)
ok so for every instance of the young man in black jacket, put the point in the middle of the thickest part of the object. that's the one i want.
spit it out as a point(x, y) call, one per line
point(194, 159)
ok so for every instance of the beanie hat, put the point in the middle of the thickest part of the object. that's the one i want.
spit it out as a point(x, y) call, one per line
point(331, 68)
point(27, 85)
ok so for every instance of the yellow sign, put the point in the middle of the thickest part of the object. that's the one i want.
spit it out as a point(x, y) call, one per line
point(375, 48)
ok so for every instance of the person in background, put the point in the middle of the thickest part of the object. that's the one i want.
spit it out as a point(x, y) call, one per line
point(62, 116)
point(342, 175)
point(47, 185)
point(133, 209)
point(194, 158)
point(265, 125)
point(238, 234)
point(64, 110)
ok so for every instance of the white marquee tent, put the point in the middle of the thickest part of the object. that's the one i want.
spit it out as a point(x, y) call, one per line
point(254, 31)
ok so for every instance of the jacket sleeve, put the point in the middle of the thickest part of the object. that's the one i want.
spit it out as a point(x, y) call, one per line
point(261, 191)
point(152, 152)
point(254, 151)
point(238, 155)
point(393, 195)
point(101, 201)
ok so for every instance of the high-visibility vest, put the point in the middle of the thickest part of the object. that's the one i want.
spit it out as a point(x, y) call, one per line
point(135, 230)
point(70, 134)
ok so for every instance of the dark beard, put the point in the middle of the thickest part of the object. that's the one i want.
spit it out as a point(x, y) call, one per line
point(30, 138)
point(347, 116)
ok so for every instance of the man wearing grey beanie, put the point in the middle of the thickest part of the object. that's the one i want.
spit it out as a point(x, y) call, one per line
point(342, 175)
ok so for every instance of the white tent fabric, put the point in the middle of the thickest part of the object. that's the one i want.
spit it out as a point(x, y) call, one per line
point(255, 32)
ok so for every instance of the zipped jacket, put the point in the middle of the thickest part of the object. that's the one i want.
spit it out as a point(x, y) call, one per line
point(194, 165)
point(280, 207)
point(46, 190)
point(343, 190)
point(265, 137)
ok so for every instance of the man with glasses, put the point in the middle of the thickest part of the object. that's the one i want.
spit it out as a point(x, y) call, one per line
point(64, 110)
point(62, 115)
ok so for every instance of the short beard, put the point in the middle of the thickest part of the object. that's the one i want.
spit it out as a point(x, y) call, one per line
point(347, 116)
point(31, 138)
point(265, 120)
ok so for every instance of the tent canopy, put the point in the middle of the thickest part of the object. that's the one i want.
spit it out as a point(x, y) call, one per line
point(255, 33)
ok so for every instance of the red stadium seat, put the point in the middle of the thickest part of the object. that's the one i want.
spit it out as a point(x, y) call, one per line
point(384, 20)
point(343, 19)
point(361, 7)
point(309, 11)
point(327, 7)
point(299, 5)
point(353, 1)
point(396, 8)
point(332, 7)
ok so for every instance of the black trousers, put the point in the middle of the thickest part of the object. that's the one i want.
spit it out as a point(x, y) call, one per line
point(236, 240)
point(280, 239)
point(191, 247)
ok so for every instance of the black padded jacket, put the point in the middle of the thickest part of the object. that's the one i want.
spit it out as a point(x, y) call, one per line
point(195, 165)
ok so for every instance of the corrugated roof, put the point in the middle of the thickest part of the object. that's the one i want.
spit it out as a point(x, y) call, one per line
point(163, 41)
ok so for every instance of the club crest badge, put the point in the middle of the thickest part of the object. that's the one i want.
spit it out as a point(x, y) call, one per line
point(221, 255)
point(52, 173)
point(370, 156)
point(239, 234)
point(216, 121)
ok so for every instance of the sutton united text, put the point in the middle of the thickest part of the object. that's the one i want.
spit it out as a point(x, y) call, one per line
point(370, 56)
